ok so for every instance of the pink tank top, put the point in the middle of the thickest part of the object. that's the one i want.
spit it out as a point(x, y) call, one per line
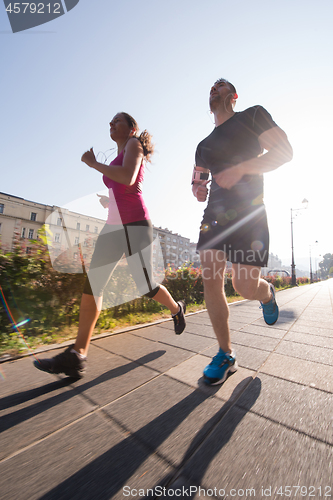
point(125, 202)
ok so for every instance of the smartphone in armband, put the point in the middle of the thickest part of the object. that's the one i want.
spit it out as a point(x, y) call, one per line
point(199, 174)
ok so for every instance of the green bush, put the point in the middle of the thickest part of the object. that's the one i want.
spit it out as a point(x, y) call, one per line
point(50, 299)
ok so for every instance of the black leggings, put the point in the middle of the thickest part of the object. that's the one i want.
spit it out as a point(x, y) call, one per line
point(135, 241)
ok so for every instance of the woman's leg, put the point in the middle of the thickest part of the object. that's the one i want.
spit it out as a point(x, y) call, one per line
point(140, 244)
point(164, 298)
point(89, 312)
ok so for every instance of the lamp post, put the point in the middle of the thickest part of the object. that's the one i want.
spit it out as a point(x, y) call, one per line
point(311, 274)
point(293, 266)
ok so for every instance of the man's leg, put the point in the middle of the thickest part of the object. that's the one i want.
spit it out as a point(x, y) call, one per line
point(224, 362)
point(213, 266)
point(247, 282)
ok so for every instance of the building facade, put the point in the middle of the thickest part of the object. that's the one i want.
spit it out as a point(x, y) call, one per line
point(20, 220)
point(175, 249)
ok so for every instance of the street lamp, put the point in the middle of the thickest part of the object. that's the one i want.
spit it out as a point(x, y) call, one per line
point(293, 272)
point(311, 275)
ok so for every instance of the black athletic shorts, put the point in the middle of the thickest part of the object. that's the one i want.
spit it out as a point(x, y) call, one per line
point(243, 237)
point(135, 241)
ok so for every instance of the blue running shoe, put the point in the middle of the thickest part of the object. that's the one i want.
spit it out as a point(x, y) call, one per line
point(217, 370)
point(271, 309)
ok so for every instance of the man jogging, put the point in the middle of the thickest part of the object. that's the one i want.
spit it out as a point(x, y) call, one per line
point(234, 226)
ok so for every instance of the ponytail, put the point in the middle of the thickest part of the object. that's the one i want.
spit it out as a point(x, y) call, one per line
point(147, 145)
point(144, 138)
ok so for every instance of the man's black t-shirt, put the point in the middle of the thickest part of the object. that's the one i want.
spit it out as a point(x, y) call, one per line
point(231, 143)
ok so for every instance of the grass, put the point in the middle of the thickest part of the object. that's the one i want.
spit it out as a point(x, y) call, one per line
point(14, 345)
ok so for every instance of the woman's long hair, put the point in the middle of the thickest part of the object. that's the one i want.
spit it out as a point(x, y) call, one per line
point(144, 138)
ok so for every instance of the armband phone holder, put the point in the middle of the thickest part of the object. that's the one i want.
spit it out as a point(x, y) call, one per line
point(199, 176)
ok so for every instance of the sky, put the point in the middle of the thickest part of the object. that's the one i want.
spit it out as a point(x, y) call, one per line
point(62, 82)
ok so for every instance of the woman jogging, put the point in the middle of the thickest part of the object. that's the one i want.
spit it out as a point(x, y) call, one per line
point(128, 231)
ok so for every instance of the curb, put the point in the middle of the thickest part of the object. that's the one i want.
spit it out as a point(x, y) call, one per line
point(7, 357)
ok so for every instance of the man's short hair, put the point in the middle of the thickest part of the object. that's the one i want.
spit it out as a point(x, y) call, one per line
point(232, 87)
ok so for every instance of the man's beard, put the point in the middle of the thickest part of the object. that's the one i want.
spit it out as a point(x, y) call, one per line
point(215, 102)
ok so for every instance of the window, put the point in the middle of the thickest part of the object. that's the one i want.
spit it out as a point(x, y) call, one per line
point(23, 232)
point(31, 234)
point(87, 227)
point(57, 237)
point(75, 256)
point(94, 243)
point(0, 227)
point(2, 206)
point(78, 226)
point(85, 244)
point(59, 221)
point(168, 238)
point(28, 250)
point(174, 240)
point(76, 241)
point(33, 216)
point(96, 229)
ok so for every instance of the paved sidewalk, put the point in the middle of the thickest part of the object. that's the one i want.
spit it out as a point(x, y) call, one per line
point(143, 419)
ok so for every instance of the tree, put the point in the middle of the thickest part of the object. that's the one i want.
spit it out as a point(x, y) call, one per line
point(326, 264)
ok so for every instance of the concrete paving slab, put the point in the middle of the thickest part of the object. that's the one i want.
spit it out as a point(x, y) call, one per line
point(323, 323)
point(249, 357)
point(191, 342)
point(300, 371)
point(253, 340)
point(314, 340)
point(315, 330)
point(133, 347)
point(316, 314)
point(298, 407)
point(305, 351)
point(110, 376)
point(237, 325)
point(190, 372)
point(281, 324)
point(266, 331)
point(90, 459)
point(204, 330)
point(168, 416)
point(33, 415)
point(247, 452)
point(13, 380)
point(198, 319)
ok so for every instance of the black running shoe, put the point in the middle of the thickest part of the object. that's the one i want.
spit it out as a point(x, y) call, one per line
point(66, 362)
point(179, 318)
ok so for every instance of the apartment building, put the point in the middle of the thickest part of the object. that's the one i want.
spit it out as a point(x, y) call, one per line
point(20, 220)
point(176, 249)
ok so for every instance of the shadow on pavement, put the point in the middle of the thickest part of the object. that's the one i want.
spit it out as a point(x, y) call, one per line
point(198, 460)
point(105, 476)
point(14, 418)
